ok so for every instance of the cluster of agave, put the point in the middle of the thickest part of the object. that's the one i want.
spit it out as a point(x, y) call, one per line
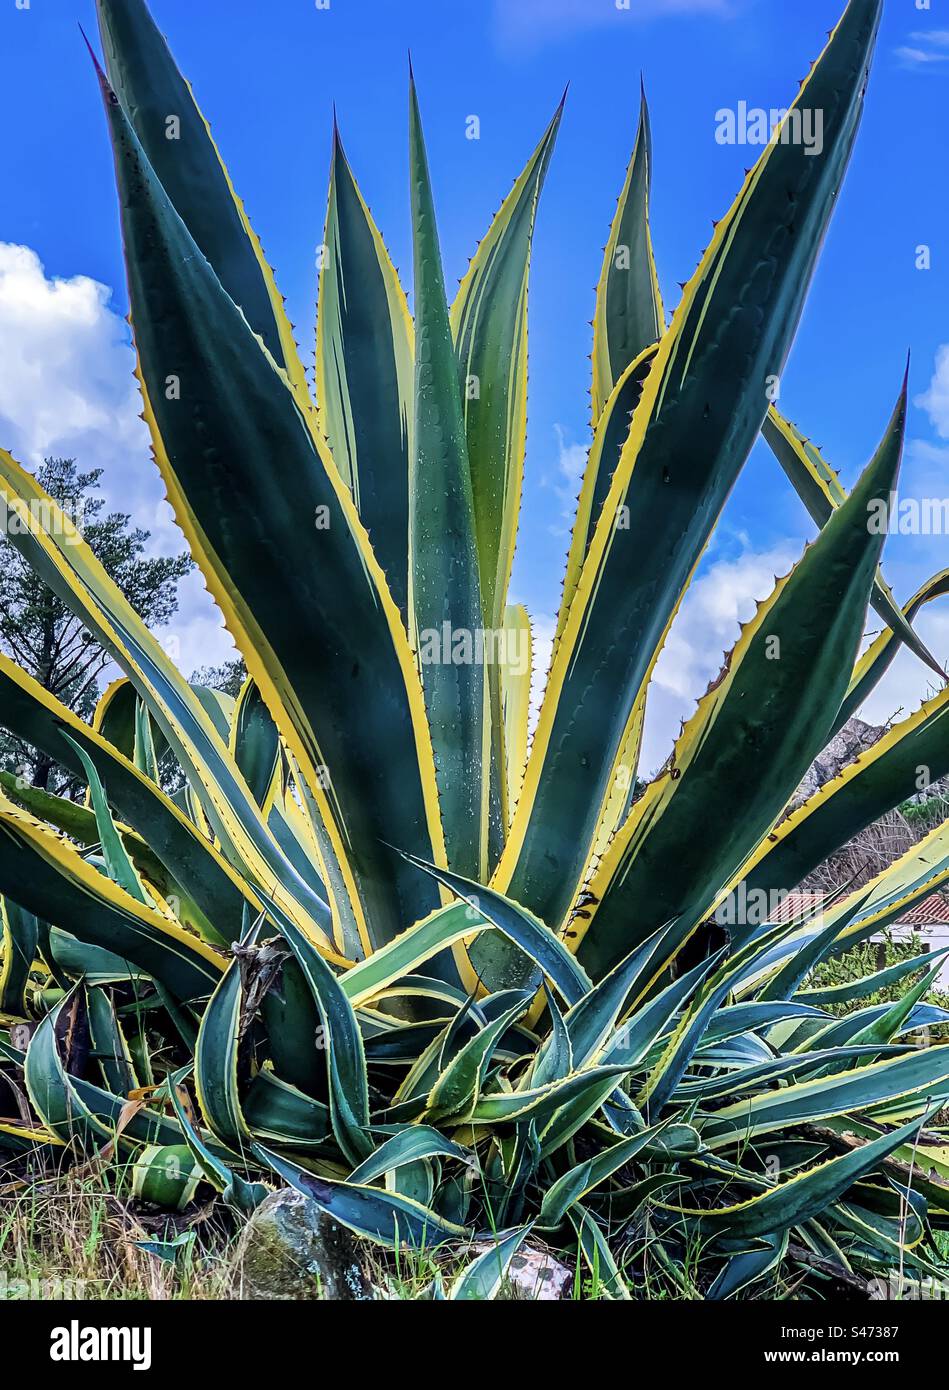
point(387, 947)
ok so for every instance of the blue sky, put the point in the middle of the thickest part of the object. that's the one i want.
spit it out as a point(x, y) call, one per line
point(267, 75)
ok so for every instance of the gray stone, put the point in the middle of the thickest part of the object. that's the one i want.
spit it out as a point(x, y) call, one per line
point(854, 738)
point(290, 1249)
point(533, 1275)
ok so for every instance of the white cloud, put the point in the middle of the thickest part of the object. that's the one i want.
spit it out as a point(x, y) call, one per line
point(908, 682)
point(67, 389)
point(571, 464)
point(543, 628)
point(196, 636)
point(919, 57)
point(705, 629)
point(924, 48)
point(935, 401)
point(922, 451)
point(573, 459)
point(532, 23)
point(67, 378)
point(724, 595)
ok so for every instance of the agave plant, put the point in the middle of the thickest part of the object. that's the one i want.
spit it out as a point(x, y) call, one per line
point(444, 973)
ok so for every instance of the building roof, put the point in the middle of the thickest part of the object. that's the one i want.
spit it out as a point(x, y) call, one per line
point(931, 912)
point(797, 905)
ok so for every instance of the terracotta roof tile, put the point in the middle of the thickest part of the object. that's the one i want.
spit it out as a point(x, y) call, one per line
point(932, 911)
point(796, 905)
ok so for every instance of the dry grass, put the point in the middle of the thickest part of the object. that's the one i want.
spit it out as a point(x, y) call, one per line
point(68, 1236)
point(75, 1234)
point(71, 1237)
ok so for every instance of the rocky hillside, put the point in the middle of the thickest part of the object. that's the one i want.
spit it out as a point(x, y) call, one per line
point(879, 844)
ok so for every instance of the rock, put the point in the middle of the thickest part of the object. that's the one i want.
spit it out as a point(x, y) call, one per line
point(533, 1274)
point(854, 738)
point(290, 1249)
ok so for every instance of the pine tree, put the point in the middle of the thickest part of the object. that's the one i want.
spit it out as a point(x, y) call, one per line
point(44, 636)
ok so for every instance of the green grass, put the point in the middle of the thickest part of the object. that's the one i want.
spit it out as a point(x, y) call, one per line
point(68, 1235)
point(71, 1235)
point(866, 959)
